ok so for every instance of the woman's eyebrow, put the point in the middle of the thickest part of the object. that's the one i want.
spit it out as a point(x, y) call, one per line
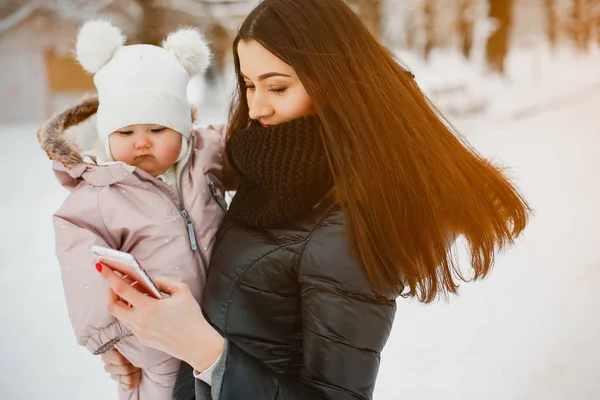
point(268, 75)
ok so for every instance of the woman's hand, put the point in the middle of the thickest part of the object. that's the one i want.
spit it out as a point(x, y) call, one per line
point(121, 370)
point(174, 324)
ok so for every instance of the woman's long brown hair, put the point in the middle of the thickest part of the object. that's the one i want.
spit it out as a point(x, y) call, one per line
point(404, 178)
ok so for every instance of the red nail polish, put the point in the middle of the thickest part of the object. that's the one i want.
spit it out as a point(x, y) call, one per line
point(99, 267)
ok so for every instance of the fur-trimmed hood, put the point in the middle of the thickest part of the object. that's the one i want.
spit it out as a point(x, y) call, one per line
point(70, 139)
point(71, 135)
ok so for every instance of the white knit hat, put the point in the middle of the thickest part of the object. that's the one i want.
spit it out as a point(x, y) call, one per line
point(141, 84)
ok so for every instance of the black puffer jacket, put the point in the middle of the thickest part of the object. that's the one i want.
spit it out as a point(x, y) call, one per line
point(301, 317)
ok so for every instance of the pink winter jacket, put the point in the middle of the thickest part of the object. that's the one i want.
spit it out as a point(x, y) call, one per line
point(120, 206)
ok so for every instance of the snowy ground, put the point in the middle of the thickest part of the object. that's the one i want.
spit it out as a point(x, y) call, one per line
point(528, 332)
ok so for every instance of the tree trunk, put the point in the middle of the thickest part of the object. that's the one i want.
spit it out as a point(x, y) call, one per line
point(375, 16)
point(581, 23)
point(598, 26)
point(410, 30)
point(497, 44)
point(466, 25)
point(552, 22)
point(588, 21)
point(575, 26)
point(430, 26)
point(220, 42)
point(151, 23)
point(370, 12)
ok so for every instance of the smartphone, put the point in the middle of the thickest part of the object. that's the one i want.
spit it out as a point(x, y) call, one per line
point(126, 265)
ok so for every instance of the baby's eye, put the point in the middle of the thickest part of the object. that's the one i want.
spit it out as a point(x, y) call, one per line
point(157, 130)
point(124, 133)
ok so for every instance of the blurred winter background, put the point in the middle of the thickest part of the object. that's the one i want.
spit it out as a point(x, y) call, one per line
point(520, 79)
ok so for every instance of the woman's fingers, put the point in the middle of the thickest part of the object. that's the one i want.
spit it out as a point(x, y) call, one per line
point(115, 301)
point(170, 325)
point(122, 289)
point(124, 277)
point(168, 286)
point(120, 309)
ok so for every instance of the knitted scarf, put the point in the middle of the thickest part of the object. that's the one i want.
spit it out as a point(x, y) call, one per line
point(283, 172)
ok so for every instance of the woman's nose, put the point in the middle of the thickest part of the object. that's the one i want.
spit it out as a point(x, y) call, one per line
point(258, 108)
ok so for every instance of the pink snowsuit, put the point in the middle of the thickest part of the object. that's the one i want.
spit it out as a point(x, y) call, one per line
point(120, 206)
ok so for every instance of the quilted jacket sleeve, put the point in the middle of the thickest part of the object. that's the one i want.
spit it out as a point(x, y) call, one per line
point(77, 226)
point(346, 324)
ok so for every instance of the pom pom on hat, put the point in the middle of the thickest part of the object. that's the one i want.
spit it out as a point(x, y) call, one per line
point(190, 48)
point(97, 42)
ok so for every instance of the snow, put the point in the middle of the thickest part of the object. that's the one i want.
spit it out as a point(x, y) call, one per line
point(529, 331)
point(537, 79)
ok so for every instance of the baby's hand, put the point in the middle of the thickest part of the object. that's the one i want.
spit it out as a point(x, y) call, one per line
point(121, 370)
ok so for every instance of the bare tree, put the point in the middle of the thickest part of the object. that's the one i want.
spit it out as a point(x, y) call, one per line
point(588, 21)
point(370, 12)
point(430, 11)
point(576, 25)
point(466, 25)
point(551, 21)
point(500, 12)
point(596, 18)
point(410, 29)
point(581, 24)
point(152, 22)
point(221, 40)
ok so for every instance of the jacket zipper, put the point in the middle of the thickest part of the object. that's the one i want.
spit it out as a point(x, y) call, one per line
point(181, 208)
point(216, 196)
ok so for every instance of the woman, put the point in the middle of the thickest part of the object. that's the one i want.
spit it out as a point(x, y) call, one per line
point(350, 185)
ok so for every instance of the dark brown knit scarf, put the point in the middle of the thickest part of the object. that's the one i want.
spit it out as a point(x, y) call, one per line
point(283, 172)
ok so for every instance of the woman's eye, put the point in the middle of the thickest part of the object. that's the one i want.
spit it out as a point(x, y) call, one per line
point(250, 87)
point(278, 90)
point(157, 130)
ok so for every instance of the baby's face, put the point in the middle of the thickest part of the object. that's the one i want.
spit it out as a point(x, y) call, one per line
point(152, 148)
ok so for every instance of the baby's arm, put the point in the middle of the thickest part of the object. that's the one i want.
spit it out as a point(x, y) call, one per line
point(78, 225)
point(219, 135)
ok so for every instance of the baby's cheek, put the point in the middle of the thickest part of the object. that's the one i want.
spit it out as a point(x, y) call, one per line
point(171, 144)
point(173, 151)
point(120, 152)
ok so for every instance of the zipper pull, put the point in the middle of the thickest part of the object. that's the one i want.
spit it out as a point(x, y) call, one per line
point(190, 227)
point(216, 195)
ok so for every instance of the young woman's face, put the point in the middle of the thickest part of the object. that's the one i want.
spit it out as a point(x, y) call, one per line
point(274, 92)
point(152, 148)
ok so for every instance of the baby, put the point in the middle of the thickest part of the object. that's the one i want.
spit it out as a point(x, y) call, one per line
point(142, 180)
